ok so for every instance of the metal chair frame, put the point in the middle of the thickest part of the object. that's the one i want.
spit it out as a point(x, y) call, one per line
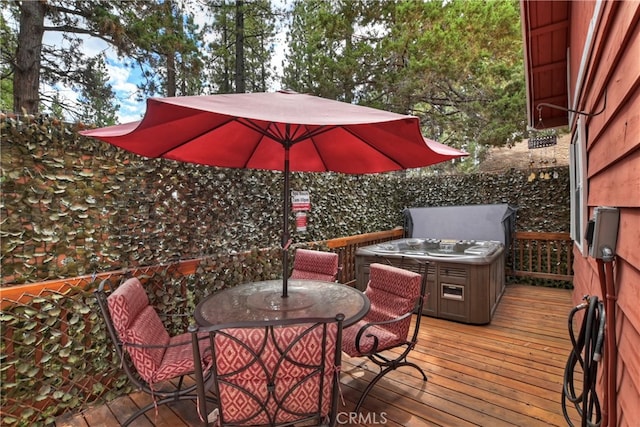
point(160, 396)
point(387, 364)
point(270, 329)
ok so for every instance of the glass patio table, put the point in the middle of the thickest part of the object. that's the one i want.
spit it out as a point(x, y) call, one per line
point(256, 301)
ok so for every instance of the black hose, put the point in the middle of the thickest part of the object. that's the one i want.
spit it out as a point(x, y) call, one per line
point(589, 344)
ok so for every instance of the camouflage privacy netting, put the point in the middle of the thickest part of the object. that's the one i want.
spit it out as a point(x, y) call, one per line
point(73, 206)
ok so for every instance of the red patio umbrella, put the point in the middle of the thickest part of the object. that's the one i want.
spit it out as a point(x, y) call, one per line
point(284, 131)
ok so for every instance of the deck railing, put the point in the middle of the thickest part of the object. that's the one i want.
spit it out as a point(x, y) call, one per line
point(50, 329)
point(541, 256)
point(346, 248)
point(534, 255)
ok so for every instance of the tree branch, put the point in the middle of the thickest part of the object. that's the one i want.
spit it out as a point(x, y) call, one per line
point(77, 30)
point(65, 10)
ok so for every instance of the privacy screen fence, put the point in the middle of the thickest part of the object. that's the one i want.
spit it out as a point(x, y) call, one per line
point(73, 206)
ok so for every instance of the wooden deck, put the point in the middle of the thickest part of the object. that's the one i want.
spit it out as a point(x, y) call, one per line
point(507, 373)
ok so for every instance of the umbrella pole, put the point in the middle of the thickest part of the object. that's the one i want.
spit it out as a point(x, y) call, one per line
point(285, 226)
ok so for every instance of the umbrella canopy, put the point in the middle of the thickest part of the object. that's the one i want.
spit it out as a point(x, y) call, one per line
point(284, 131)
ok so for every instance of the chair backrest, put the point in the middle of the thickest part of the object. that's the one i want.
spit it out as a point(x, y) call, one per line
point(392, 292)
point(136, 322)
point(277, 372)
point(315, 265)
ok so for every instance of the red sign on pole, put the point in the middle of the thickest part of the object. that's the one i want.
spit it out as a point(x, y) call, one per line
point(301, 221)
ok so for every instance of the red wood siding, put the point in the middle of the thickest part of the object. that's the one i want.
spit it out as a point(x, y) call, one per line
point(614, 172)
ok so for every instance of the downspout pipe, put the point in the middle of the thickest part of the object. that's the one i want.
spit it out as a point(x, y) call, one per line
point(607, 285)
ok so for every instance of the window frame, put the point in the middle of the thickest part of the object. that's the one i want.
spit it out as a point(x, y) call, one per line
point(579, 186)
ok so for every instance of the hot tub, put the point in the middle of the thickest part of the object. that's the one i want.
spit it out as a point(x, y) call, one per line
point(464, 248)
point(465, 279)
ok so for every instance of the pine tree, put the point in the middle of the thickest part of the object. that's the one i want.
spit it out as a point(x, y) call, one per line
point(97, 96)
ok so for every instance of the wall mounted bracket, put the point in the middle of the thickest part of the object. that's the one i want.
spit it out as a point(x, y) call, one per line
point(557, 107)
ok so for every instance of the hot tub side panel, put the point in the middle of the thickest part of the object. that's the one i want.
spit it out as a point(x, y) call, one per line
point(467, 293)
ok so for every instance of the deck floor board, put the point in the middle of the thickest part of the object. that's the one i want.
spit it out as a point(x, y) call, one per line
point(506, 373)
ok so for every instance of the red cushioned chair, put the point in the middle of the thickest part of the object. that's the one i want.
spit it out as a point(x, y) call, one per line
point(395, 294)
point(149, 356)
point(272, 373)
point(315, 265)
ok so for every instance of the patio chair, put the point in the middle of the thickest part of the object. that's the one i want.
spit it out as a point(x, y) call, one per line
point(152, 358)
point(394, 294)
point(315, 265)
point(272, 373)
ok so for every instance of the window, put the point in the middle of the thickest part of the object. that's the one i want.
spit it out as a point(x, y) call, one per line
point(578, 165)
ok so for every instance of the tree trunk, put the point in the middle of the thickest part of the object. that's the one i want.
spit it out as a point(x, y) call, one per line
point(240, 78)
point(171, 56)
point(26, 79)
point(171, 75)
point(225, 87)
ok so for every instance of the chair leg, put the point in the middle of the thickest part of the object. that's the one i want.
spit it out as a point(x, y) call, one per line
point(418, 368)
point(188, 393)
point(381, 374)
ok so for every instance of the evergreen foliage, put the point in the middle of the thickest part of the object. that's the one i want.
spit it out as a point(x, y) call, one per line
point(455, 64)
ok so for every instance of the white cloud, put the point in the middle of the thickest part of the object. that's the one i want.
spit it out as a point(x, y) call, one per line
point(119, 76)
point(123, 83)
point(93, 46)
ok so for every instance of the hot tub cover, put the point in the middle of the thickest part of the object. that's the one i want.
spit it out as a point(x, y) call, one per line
point(466, 222)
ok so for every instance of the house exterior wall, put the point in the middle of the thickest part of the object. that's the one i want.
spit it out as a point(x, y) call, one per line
point(613, 169)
